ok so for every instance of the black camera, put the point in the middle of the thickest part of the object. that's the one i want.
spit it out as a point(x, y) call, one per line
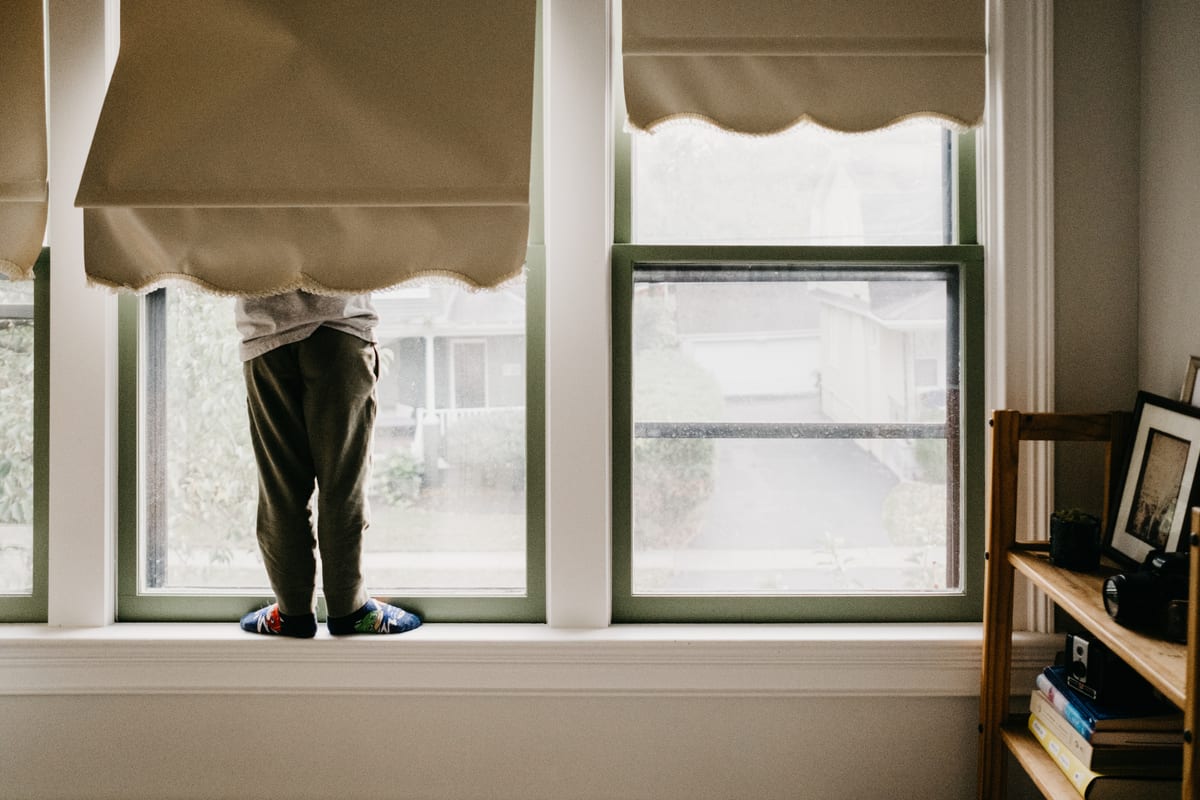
point(1093, 670)
point(1154, 597)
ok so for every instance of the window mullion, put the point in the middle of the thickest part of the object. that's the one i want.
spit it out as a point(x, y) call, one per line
point(578, 237)
point(83, 351)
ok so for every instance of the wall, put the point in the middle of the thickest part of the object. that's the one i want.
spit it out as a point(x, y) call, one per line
point(1127, 208)
point(1096, 131)
point(1169, 278)
point(525, 747)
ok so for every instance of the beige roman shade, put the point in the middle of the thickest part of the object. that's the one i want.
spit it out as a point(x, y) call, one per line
point(22, 137)
point(761, 66)
point(253, 147)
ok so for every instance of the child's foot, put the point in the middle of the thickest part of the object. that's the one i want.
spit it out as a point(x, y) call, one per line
point(374, 617)
point(272, 622)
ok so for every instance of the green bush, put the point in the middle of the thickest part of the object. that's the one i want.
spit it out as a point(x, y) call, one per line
point(672, 478)
point(16, 422)
point(488, 450)
point(930, 456)
point(212, 484)
point(914, 516)
point(396, 478)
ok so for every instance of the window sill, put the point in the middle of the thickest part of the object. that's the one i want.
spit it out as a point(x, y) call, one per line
point(449, 659)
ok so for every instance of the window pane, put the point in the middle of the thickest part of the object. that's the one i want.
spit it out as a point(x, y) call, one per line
point(448, 489)
point(16, 437)
point(695, 184)
point(791, 433)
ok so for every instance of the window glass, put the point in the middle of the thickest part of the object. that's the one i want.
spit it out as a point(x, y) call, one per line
point(791, 432)
point(16, 436)
point(695, 184)
point(448, 489)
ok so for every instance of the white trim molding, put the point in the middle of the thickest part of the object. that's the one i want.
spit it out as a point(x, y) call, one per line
point(578, 218)
point(1017, 183)
point(83, 332)
point(659, 660)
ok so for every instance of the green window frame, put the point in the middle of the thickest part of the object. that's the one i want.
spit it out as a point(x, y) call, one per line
point(32, 607)
point(962, 266)
point(138, 361)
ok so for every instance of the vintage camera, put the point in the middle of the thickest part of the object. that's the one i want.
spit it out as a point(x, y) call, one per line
point(1092, 670)
point(1153, 597)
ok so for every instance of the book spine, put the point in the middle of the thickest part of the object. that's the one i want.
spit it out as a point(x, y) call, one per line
point(1060, 702)
point(1049, 716)
point(1070, 765)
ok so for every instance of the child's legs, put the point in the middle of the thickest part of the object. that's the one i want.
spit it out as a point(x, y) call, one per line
point(274, 397)
point(339, 407)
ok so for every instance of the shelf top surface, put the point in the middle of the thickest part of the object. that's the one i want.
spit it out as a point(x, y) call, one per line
point(1161, 662)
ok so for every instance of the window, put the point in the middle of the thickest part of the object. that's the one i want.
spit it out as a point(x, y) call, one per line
point(451, 529)
point(817, 230)
point(797, 378)
point(457, 499)
point(23, 375)
point(16, 436)
point(588, 547)
point(693, 184)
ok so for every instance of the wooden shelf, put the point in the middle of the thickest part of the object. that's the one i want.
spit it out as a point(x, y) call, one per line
point(1044, 773)
point(1161, 662)
point(1171, 668)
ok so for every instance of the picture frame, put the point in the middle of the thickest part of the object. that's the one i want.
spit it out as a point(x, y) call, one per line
point(1189, 394)
point(1159, 481)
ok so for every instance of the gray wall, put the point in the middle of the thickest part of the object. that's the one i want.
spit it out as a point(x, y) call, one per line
point(1126, 211)
point(493, 748)
point(1169, 277)
point(1096, 132)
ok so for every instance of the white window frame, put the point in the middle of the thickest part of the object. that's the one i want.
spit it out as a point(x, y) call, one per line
point(1016, 230)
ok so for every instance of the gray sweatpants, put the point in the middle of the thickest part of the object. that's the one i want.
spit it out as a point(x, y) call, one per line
point(312, 416)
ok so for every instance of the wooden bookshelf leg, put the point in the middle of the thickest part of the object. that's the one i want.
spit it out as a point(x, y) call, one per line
point(994, 692)
point(1191, 711)
point(998, 605)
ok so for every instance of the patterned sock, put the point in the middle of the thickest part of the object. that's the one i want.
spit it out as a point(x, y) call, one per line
point(374, 617)
point(273, 622)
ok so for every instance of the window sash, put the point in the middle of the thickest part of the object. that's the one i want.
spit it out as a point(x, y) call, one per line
point(962, 605)
point(138, 466)
point(32, 607)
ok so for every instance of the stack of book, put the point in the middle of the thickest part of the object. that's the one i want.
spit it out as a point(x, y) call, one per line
point(1105, 750)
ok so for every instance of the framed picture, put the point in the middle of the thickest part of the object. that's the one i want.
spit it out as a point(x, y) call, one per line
point(1189, 395)
point(1160, 480)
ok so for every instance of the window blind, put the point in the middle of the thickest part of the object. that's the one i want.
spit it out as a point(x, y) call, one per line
point(761, 66)
point(252, 148)
point(23, 192)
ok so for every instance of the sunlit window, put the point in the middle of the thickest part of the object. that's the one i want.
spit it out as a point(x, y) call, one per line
point(695, 184)
point(448, 490)
point(793, 321)
point(791, 433)
point(16, 437)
